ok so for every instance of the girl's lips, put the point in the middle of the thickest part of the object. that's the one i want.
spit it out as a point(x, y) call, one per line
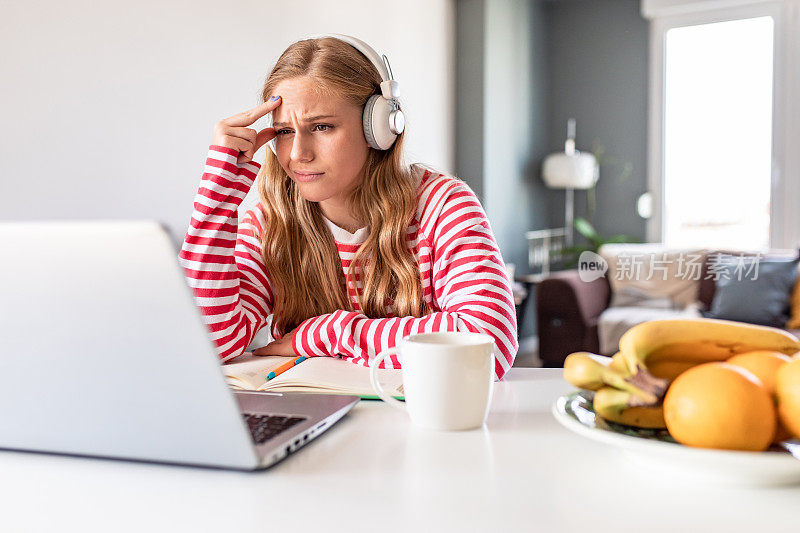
point(306, 177)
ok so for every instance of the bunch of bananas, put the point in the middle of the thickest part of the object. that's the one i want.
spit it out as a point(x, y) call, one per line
point(630, 386)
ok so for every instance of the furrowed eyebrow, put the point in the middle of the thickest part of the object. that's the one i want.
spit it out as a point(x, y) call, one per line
point(305, 119)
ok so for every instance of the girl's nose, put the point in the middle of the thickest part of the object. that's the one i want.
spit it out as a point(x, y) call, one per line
point(302, 149)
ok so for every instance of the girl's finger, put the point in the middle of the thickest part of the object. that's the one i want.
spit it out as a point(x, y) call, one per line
point(236, 143)
point(247, 134)
point(246, 118)
point(263, 137)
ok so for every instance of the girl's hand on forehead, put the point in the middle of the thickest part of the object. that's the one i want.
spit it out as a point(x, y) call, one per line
point(232, 132)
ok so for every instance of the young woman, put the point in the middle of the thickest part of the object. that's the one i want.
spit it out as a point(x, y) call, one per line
point(349, 249)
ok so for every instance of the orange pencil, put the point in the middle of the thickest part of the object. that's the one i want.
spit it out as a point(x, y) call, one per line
point(284, 367)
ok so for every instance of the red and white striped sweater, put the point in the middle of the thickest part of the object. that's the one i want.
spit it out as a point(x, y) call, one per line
point(463, 275)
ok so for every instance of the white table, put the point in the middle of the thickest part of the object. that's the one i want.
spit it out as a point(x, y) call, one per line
point(372, 471)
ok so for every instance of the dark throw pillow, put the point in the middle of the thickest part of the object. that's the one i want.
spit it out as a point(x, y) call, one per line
point(753, 289)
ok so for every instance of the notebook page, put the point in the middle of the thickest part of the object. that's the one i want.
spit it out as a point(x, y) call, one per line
point(330, 374)
point(248, 371)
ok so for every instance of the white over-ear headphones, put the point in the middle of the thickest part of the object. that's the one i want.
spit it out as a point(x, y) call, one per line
point(383, 119)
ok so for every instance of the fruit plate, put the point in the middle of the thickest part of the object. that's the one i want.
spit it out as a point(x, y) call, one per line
point(656, 450)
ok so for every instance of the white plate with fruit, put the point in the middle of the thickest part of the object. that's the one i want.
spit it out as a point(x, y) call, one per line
point(701, 398)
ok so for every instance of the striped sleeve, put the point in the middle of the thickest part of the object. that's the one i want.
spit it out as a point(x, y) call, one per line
point(470, 286)
point(221, 258)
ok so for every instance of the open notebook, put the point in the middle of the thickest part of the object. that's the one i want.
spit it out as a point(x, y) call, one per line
point(315, 374)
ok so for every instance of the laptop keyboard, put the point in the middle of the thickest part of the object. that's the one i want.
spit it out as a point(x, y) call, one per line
point(264, 427)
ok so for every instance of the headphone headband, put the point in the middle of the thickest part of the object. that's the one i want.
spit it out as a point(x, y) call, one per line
point(389, 87)
point(362, 47)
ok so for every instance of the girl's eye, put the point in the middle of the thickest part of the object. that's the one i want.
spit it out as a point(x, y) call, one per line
point(326, 126)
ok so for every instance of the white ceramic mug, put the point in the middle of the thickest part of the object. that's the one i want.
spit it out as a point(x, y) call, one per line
point(447, 378)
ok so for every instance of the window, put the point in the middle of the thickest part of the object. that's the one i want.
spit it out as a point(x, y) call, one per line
point(724, 123)
point(718, 134)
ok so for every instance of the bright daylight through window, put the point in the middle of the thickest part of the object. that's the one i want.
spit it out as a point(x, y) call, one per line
point(718, 134)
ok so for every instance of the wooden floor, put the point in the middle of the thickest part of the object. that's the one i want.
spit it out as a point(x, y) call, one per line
point(528, 354)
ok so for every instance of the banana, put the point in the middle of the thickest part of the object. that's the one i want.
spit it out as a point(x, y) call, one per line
point(619, 365)
point(669, 369)
point(703, 351)
point(583, 371)
point(602, 359)
point(590, 371)
point(624, 408)
point(698, 340)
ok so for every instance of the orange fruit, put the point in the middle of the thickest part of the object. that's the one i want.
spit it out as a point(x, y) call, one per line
point(765, 365)
point(787, 389)
point(719, 405)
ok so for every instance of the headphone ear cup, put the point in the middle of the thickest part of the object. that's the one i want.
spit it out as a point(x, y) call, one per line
point(375, 121)
point(366, 122)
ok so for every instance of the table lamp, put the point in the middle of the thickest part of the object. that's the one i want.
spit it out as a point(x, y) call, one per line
point(570, 170)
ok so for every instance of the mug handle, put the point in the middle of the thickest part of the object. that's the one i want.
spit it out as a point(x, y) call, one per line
point(373, 378)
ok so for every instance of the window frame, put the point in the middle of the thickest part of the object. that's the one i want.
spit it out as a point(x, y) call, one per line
point(785, 179)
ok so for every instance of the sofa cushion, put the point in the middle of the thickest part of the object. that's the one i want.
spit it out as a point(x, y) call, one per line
point(752, 289)
point(615, 321)
point(649, 275)
point(708, 285)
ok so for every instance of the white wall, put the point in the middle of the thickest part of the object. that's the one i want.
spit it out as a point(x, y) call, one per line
point(108, 107)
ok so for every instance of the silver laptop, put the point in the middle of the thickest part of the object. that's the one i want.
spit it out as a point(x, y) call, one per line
point(103, 352)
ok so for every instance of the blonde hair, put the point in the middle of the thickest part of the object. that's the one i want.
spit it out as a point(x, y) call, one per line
point(298, 249)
